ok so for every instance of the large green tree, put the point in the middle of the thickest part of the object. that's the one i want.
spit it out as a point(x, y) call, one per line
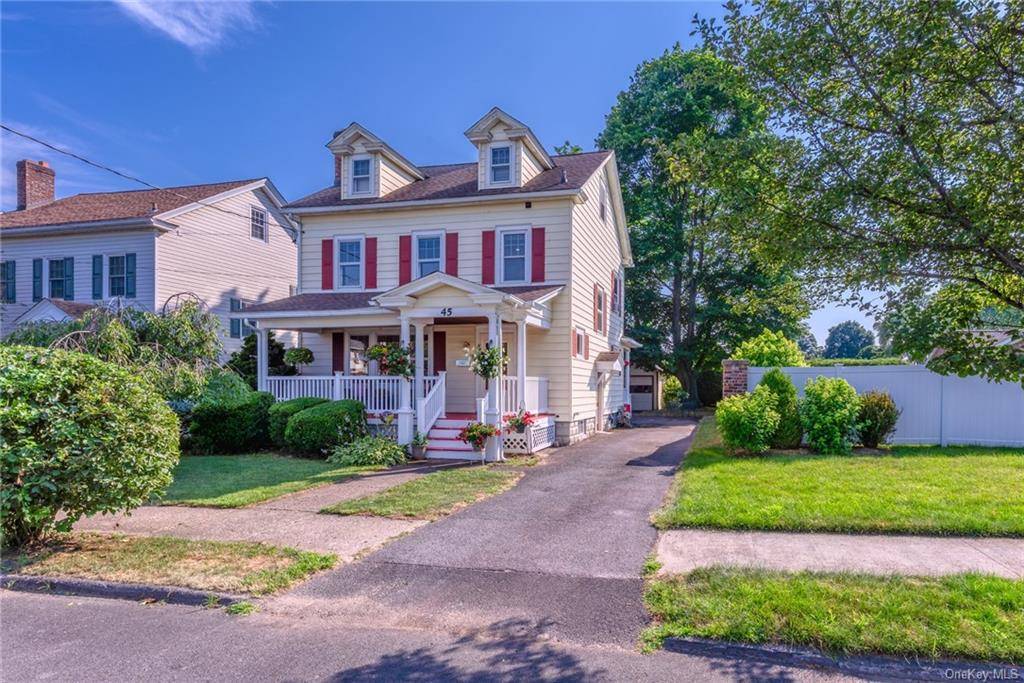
point(905, 166)
point(678, 131)
point(847, 340)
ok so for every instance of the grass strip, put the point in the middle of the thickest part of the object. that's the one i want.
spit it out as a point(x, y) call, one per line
point(967, 616)
point(968, 491)
point(433, 495)
point(235, 566)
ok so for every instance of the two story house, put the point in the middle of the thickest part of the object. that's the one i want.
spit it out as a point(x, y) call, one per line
point(517, 249)
point(227, 243)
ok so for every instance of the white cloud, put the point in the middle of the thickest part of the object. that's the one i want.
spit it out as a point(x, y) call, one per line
point(199, 26)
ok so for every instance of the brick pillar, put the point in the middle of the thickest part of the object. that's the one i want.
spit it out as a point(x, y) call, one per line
point(734, 377)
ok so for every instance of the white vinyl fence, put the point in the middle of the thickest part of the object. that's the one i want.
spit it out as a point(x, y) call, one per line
point(936, 409)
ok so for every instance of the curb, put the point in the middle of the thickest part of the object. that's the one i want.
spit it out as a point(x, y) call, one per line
point(866, 666)
point(136, 592)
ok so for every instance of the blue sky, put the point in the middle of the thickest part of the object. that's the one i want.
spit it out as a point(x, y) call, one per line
point(181, 93)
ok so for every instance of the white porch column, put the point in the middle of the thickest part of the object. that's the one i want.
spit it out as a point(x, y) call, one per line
point(405, 412)
point(419, 325)
point(262, 359)
point(346, 352)
point(431, 370)
point(626, 400)
point(374, 366)
point(492, 415)
point(521, 364)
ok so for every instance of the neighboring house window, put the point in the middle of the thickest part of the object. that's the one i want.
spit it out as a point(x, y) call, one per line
point(350, 263)
point(360, 176)
point(258, 224)
point(600, 310)
point(581, 343)
point(501, 164)
point(117, 276)
point(428, 253)
point(37, 279)
point(62, 278)
point(603, 208)
point(7, 293)
point(513, 256)
point(239, 329)
point(616, 293)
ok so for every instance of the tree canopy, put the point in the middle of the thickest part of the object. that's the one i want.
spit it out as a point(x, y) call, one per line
point(847, 340)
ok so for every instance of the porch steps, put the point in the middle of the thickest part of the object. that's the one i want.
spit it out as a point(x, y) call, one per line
point(443, 440)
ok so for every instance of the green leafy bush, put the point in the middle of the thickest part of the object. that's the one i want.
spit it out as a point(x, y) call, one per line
point(319, 429)
point(282, 411)
point(672, 394)
point(790, 432)
point(78, 436)
point(298, 355)
point(243, 361)
point(224, 421)
point(748, 422)
point(769, 350)
point(224, 385)
point(369, 450)
point(877, 419)
point(829, 414)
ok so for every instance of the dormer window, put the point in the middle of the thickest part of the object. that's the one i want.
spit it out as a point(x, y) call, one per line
point(361, 176)
point(501, 164)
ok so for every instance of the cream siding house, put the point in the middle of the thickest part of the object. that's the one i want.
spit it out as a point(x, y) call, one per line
point(227, 243)
point(519, 250)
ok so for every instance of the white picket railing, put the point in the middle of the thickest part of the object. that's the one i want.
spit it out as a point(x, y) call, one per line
point(431, 406)
point(300, 386)
point(380, 394)
point(536, 394)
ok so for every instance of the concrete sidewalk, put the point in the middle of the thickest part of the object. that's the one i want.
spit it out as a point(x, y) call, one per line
point(683, 550)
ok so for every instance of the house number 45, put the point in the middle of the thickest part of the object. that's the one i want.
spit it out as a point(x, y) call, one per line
point(446, 312)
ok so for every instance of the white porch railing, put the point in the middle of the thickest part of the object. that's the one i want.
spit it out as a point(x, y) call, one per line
point(535, 394)
point(379, 393)
point(300, 386)
point(431, 406)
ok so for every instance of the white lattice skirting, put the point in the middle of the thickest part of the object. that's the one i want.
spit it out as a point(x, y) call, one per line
point(538, 436)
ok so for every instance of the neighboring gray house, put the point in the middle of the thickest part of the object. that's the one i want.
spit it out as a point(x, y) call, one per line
point(228, 243)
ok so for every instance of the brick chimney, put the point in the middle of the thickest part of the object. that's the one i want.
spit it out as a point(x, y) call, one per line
point(35, 183)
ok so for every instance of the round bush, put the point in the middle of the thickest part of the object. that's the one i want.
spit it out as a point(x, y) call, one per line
point(78, 436)
point(319, 429)
point(829, 414)
point(231, 425)
point(369, 450)
point(877, 419)
point(790, 432)
point(747, 422)
point(769, 350)
point(282, 411)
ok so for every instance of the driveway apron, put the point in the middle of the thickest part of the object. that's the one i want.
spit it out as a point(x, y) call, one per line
point(560, 554)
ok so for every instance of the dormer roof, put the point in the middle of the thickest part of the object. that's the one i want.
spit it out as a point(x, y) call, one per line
point(342, 141)
point(480, 132)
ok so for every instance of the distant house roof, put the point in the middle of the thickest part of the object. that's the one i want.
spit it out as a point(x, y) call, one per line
point(97, 207)
point(453, 181)
point(54, 310)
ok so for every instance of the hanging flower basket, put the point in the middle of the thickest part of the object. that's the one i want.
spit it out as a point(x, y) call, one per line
point(486, 362)
point(393, 359)
point(476, 434)
point(520, 421)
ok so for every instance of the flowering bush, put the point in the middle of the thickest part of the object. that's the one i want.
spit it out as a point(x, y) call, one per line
point(486, 362)
point(393, 359)
point(477, 433)
point(520, 421)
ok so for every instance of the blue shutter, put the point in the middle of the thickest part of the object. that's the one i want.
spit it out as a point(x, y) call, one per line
point(69, 278)
point(97, 277)
point(129, 276)
point(236, 323)
point(37, 279)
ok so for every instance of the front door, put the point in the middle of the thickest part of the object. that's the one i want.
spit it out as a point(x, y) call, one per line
point(460, 389)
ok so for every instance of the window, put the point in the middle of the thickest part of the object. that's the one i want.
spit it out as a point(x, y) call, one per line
point(116, 277)
point(501, 164)
point(7, 290)
point(239, 329)
point(350, 263)
point(616, 293)
point(513, 256)
point(62, 278)
point(360, 176)
point(257, 224)
point(428, 254)
point(600, 306)
point(579, 343)
point(603, 206)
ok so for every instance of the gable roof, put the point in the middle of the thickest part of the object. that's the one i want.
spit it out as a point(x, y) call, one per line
point(125, 205)
point(454, 181)
point(481, 132)
point(54, 309)
point(342, 141)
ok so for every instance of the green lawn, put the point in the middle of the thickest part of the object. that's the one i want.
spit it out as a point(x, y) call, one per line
point(910, 489)
point(230, 481)
point(966, 616)
point(433, 495)
point(204, 565)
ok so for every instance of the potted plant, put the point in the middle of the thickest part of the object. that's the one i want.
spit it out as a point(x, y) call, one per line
point(476, 434)
point(393, 359)
point(419, 446)
point(486, 362)
point(520, 421)
point(298, 356)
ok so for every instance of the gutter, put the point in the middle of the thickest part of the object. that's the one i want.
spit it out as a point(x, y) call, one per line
point(454, 201)
point(89, 226)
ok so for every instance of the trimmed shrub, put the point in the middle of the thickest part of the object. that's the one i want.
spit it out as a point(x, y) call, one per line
point(877, 418)
point(282, 411)
point(790, 432)
point(672, 393)
point(829, 414)
point(747, 422)
point(224, 385)
point(770, 350)
point(369, 450)
point(319, 429)
point(232, 424)
point(78, 436)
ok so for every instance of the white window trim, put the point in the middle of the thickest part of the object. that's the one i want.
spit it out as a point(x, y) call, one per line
point(47, 285)
point(500, 255)
point(579, 351)
point(511, 163)
point(106, 275)
point(266, 224)
point(352, 176)
point(338, 239)
point(416, 235)
point(602, 307)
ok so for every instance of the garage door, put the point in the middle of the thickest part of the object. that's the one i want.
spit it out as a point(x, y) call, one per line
point(641, 393)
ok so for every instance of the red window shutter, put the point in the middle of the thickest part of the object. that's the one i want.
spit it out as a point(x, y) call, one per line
point(440, 355)
point(586, 347)
point(327, 264)
point(338, 352)
point(404, 259)
point(595, 325)
point(371, 263)
point(451, 253)
point(487, 258)
point(537, 264)
point(572, 340)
